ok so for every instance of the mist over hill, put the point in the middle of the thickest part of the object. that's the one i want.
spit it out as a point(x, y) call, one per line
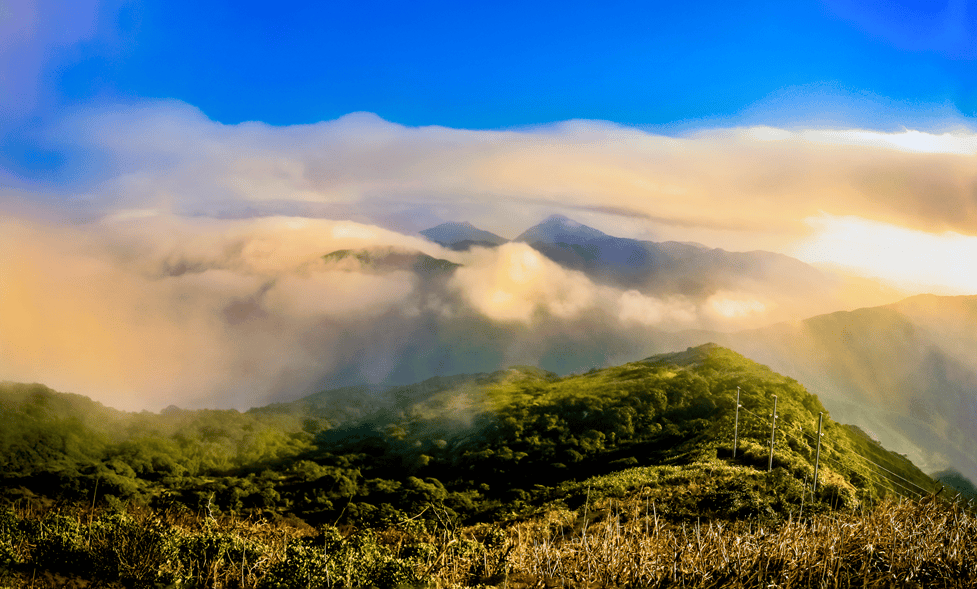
point(905, 372)
point(662, 269)
point(241, 313)
point(382, 260)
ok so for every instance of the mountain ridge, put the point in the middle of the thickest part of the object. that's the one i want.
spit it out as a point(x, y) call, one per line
point(558, 226)
point(903, 370)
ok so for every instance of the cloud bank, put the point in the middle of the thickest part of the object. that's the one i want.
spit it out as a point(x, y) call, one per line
point(189, 268)
point(144, 310)
point(739, 188)
point(157, 310)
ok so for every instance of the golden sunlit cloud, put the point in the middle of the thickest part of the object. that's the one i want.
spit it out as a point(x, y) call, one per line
point(735, 305)
point(177, 310)
point(740, 188)
point(654, 312)
point(515, 283)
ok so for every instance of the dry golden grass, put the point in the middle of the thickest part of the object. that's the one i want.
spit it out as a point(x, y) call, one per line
point(898, 545)
point(613, 544)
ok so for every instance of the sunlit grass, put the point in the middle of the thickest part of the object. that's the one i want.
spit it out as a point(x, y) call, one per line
point(613, 542)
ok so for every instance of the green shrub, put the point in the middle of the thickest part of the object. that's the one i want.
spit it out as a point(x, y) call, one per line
point(304, 565)
point(10, 535)
point(330, 560)
point(212, 555)
point(61, 547)
point(8, 555)
point(838, 494)
point(139, 554)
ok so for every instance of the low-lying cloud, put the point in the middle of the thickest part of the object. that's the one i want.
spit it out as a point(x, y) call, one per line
point(515, 282)
point(190, 271)
point(144, 310)
point(152, 311)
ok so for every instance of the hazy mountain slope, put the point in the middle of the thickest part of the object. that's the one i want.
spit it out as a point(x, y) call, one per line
point(622, 261)
point(669, 267)
point(387, 259)
point(462, 236)
point(905, 372)
point(957, 483)
point(951, 320)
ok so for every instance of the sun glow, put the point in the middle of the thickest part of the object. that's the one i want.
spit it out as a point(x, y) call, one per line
point(910, 259)
point(908, 140)
point(735, 305)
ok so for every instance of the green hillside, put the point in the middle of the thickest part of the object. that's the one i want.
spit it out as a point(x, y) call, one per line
point(904, 371)
point(482, 447)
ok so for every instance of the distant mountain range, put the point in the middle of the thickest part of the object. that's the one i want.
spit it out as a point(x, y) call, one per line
point(783, 287)
point(666, 268)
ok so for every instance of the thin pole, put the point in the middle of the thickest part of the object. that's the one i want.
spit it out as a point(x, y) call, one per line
point(736, 424)
point(817, 455)
point(773, 430)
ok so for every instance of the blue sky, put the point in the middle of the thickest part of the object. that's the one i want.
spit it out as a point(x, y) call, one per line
point(669, 67)
point(496, 64)
point(502, 64)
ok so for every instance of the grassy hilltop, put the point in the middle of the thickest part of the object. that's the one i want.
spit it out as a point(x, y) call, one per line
point(484, 445)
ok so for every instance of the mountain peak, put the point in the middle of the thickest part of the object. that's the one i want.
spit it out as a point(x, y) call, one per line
point(560, 229)
point(558, 218)
point(453, 224)
point(564, 221)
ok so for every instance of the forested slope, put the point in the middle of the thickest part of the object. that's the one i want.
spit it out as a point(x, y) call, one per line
point(482, 447)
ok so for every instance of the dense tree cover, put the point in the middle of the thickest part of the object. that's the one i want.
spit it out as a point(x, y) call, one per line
point(479, 447)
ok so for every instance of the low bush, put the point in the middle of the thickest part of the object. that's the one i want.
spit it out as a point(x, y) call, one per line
point(139, 554)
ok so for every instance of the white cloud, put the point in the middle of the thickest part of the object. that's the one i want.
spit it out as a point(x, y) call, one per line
point(962, 142)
